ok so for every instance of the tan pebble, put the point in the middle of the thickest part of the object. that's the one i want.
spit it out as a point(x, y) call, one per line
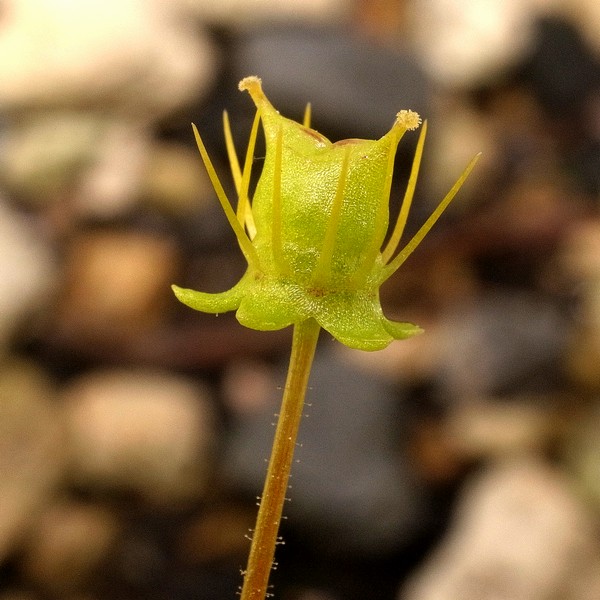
point(32, 459)
point(145, 432)
point(519, 532)
point(117, 285)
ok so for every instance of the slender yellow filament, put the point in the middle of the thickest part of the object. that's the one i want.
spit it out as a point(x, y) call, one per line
point(323, 267)
point(396, 236)
point(277, 218)
point(244, 209)
point(242, 179)
point(240, 234)
point(395, 264)
point(234, 163)
point(307, 115)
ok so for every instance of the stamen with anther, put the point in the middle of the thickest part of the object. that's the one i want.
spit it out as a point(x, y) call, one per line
point(396, 236)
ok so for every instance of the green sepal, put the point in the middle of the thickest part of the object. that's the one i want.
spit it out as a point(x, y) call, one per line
point(211, 303)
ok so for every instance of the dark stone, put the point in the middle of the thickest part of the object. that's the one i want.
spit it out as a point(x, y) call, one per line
point(355, 87)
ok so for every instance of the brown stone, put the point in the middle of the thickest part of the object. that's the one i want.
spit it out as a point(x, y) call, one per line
point(117, 286)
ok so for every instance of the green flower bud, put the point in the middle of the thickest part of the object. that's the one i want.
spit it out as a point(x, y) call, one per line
point(314, 230)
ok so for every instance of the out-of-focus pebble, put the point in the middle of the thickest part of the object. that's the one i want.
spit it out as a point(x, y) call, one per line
point(508, 341)
point(586, 586)
point(236, 13)
point(520, 533)
point(475, 42)
point(315, 594)
point(583, 453)
point(586, 14)
point(92, 160)
point(135, 57)
point(173, 180)
point(218, 534)
point(47, 151)
point(98, 165)
point(68, 544)
point(32, 460)
point(27, 272)
point(90, 79)
point(110, 185)
point(458, 137)
point(580, 266)
point(117, 284)
point(580, 256)
point(561, 70)
point(141, 432)
point(489, 429)
point(248, 387)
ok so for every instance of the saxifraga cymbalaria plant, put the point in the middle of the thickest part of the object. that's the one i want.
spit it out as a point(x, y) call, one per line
point(313, 236)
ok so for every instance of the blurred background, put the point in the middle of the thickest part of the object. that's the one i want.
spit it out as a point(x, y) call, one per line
point(464, 463)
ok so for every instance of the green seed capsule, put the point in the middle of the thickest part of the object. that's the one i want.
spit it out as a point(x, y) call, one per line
point(314, 230)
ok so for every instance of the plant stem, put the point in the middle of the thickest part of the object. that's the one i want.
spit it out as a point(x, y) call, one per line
point(264, 540)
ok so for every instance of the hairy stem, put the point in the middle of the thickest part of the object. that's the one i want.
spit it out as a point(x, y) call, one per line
point(264, 540)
